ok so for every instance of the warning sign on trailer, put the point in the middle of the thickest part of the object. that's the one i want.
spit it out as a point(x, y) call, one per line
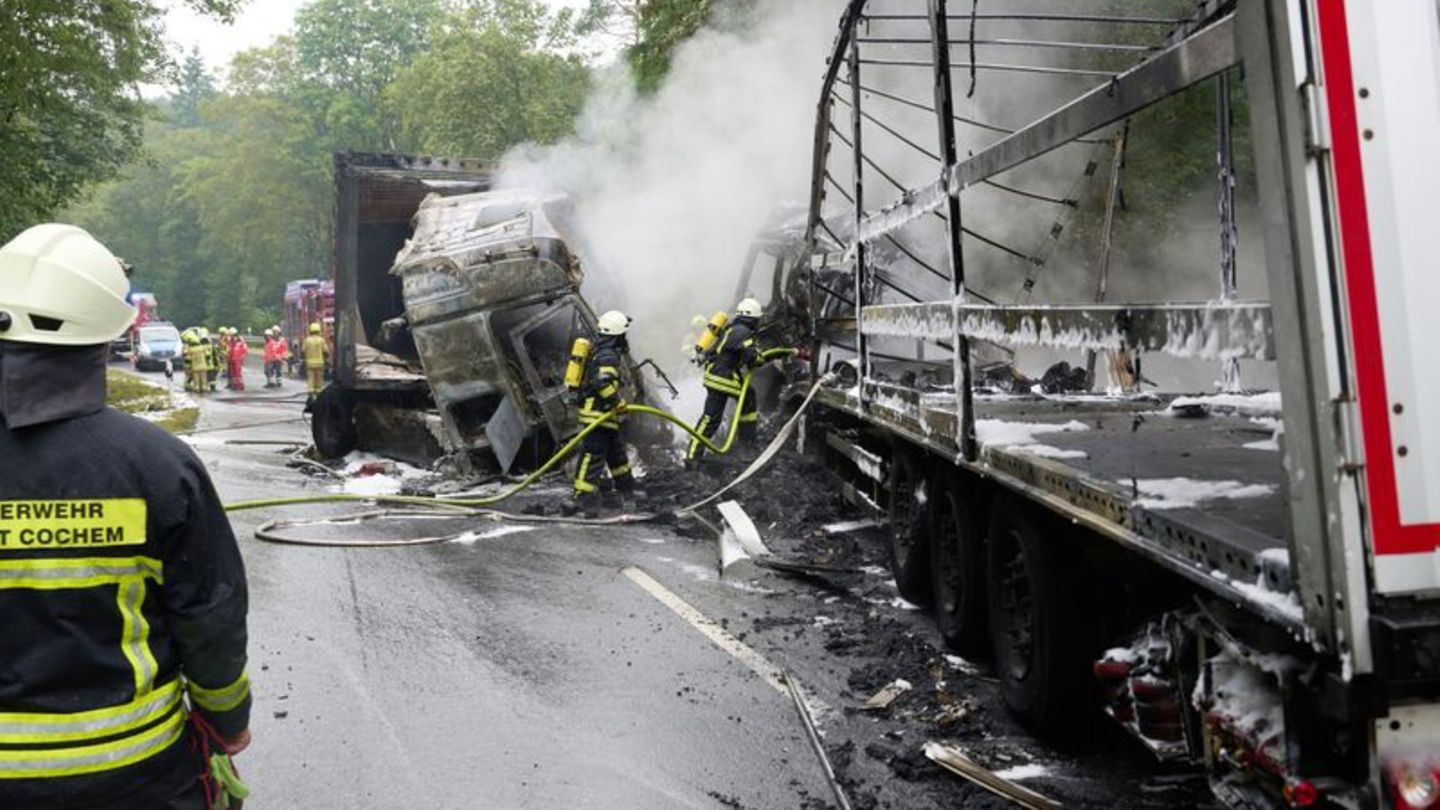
point(31, 525)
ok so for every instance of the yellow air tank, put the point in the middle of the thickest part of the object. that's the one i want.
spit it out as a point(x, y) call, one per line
point(711, 332)
point(575, 369)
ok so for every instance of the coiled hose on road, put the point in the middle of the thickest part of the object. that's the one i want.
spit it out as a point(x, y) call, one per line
point(477, 507)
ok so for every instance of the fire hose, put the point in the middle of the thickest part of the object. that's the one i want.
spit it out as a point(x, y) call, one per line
point(478, 507)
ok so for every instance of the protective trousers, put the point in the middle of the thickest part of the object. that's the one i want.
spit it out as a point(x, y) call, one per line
point(603, 445)
point(715, 402)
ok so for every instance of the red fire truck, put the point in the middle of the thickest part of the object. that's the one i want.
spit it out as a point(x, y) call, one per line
point(307, 301)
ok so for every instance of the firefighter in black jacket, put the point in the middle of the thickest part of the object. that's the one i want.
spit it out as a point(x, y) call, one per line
point(600, 394)
point(735, 354)
point(121, 587)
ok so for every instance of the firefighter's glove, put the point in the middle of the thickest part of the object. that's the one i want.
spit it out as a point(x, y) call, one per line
point(232, 791)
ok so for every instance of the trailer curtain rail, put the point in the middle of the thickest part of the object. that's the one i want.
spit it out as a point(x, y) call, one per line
point(1037, 17)
point(1052, 71)
point(1015, 43)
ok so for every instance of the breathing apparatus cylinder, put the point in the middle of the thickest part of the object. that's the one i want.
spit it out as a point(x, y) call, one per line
point(712, 331)
point(575, 369)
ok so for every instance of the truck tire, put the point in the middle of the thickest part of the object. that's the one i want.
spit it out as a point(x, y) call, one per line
point(909, 528)
point(957, 567)
point(1037, 624)
point(332, 422)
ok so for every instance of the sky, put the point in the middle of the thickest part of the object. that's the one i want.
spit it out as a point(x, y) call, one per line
point(259, 22)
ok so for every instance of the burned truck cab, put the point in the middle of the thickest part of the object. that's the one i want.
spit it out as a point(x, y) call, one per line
point(491, 292)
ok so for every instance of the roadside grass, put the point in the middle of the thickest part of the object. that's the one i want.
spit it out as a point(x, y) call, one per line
point(133, 395)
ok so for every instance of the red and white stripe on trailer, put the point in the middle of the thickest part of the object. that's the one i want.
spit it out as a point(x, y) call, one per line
point(1381, 75)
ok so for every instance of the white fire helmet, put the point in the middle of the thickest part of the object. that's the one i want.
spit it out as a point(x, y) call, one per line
point(614, 322)
point(749, 308)
point(59, 286)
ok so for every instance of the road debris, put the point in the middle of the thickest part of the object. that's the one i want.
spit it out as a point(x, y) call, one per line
point(889, 694)
point(954, 760)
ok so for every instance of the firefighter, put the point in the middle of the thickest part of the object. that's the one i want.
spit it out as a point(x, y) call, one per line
point(316, 353)
point(276, 351)
point(599, 394)
point(121, 584)
point(219, 364)
point(188, 341)
point(726, 361)
point(238, 351)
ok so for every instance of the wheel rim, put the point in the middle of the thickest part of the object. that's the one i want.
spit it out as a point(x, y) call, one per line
point(1019, 608)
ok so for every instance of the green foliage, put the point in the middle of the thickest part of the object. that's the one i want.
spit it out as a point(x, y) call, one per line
point(489, 82)
point(68, 112)
point(661, 27)
point(232, 195)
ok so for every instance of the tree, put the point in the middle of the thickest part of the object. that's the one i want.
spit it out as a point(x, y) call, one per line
point(489, 82)
point(661, 27)
point(70, 110)
point(193, 87)
point(346, 52)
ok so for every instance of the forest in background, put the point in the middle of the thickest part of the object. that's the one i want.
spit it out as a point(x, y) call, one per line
point(220, 192)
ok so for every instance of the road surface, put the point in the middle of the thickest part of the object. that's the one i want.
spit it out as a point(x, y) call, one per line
point(604, 667)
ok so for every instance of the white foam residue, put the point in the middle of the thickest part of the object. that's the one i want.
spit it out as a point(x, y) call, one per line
point(1180, 493)
point(471, 537)
point(1008, 434)
point(1121, 654)
point(847, 526)
point(960, 664)
point(372, 485)
point(654, 541)
point(1032, 770)
point(1263, 404)
point(1046, 451)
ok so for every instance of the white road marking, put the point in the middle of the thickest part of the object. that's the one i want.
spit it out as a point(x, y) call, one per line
point(718, 635)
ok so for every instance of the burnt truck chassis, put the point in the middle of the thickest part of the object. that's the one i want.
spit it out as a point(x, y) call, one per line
point(449, 302)
point(1044, 562)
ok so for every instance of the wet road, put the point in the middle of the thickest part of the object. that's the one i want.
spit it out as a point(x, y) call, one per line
point(542, 667)
point(525, 670)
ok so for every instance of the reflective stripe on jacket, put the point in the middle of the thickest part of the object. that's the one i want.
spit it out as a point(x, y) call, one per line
point(600, 391)
point(735, 354)
point(123, 591)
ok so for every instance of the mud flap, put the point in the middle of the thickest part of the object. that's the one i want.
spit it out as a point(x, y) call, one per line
point(506, 432)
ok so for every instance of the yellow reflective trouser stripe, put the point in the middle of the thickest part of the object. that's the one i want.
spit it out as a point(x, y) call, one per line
point(222, 699)
point(29, 728)
point(695, 441)
point(582, 474)
point(53, 762)
point(135, 633)
point(623, 469)
point(77, 572)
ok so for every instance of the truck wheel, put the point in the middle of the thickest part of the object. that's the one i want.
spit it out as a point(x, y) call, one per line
point(957, 567)
point(333, 423)
point(909, 528)
point(1036, 624)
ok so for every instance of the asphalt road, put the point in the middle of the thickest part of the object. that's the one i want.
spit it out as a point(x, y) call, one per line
point(541, 668)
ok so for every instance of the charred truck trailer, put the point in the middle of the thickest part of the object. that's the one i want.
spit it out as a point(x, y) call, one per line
point(455, 310)
point(1268, 612)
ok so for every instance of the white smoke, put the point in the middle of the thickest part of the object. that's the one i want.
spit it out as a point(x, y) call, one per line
point(669, 189)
